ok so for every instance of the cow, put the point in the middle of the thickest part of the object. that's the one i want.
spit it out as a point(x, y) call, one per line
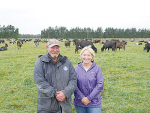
point(4, 48)
point(137, 44)
point(109, 44)
point(19, 44)
point(97, 41)
point(147, 47)
point(2, 41)
point(120, 45)
point(36, 42)
point(83, 43)
point(67, 43)
point(12, 42)
point(75, 41)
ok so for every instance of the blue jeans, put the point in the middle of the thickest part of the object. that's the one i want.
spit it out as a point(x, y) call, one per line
point(80, 109)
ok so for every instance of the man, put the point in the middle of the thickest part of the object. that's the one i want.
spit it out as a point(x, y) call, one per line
point(56, 80)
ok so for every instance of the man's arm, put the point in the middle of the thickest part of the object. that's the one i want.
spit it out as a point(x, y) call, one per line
point(41, 82)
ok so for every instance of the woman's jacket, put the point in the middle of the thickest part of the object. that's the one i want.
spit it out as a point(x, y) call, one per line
point(89, 84)
point(50, 78)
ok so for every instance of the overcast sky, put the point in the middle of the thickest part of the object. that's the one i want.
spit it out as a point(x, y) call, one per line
point(32, 16)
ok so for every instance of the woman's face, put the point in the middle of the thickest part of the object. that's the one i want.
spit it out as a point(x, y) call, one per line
point(86, 57)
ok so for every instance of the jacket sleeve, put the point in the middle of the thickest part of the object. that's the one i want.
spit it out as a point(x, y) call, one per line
point(78, 94)
point(99, 86)
point(72, 84)
point(42, 85)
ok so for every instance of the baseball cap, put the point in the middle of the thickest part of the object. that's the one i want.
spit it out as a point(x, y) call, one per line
point(53, 42)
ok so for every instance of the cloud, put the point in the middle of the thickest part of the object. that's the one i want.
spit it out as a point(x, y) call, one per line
point(32, 16)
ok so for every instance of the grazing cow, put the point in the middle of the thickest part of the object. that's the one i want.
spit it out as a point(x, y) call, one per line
point(137, 44)
point(67, 43)
point(141, 41)
point(4, 47)
point(147, 47)
point(75, 41)
point(121, 45)
point(19, 44)
point(2, 41)
point(109, 44)
point(83, 43)
point(97, 41)
point(12, 42)
point(36, 42)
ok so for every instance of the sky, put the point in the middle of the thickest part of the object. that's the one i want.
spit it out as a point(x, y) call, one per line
point(33, 16)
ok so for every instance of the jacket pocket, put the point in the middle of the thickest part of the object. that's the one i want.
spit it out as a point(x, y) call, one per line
point(48, 104)
point(95, 101)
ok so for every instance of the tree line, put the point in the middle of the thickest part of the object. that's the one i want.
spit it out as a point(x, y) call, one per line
point(9, 32)
point(74, 33)
point(12, 32)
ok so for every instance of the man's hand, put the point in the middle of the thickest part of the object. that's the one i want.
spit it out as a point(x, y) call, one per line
point(85, 101)
point(60, 96)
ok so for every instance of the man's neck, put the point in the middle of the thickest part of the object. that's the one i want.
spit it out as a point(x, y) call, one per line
point(54, 59)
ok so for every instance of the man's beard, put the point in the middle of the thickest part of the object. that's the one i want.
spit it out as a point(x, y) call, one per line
point(54, 56)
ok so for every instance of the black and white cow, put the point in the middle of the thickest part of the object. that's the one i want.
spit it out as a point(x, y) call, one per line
point(36, 43)
point(2, 41)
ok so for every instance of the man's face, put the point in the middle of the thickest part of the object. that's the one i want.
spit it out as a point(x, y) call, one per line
point(53, 51)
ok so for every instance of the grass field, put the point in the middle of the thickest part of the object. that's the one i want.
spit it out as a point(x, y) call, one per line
point(126, 78)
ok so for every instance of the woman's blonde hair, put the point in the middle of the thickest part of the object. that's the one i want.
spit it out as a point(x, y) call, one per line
point(89, 49)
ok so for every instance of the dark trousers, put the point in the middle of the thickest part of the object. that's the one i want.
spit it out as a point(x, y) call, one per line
point(50, 112)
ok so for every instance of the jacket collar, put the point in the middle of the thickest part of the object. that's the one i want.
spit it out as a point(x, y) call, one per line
point(93, 64)
point(47, 58)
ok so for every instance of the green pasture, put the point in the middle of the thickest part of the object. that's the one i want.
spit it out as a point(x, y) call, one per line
point(126, 77)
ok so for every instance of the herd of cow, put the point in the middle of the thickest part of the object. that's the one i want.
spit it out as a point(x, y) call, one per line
point(113, 44)
point(79, 44)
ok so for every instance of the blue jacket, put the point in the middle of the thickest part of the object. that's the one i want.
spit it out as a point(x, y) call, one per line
point(89, 84)
point(50, 78)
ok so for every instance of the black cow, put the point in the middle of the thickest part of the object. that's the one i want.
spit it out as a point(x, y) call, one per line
point(4, 47)
point(109, 44)
point(75, 41)
point(19, 44)
point(83, 43)
point(147, 47)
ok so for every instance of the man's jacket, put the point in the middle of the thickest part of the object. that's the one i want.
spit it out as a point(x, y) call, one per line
point(50, 78)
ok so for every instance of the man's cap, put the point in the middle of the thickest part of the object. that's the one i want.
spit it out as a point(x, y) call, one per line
point(53, 42)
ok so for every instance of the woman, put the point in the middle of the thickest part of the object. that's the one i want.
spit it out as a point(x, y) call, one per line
point(90, 83)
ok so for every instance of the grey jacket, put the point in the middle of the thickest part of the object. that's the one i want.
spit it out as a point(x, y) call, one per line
point(50, 78)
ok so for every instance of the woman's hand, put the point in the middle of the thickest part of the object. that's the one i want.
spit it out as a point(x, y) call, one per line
point(85, 101)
